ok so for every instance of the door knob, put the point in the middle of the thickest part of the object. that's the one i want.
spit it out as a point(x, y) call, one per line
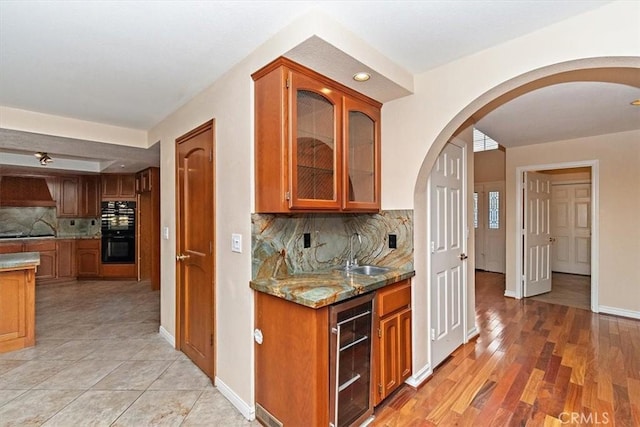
point(463, 257)
point(552, 239)
point(182, 257)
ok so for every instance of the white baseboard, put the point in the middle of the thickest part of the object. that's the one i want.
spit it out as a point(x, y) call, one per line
point(167, 336)
point(619, 311)
point(509, 294)
point(419, 377)
point(472, 333)
point(247, 411)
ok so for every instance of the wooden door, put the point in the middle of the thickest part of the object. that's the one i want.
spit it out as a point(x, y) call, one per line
point(537, 234)
point(404, 344)
point(195, 255)
point(571, 228)
point(448, 246)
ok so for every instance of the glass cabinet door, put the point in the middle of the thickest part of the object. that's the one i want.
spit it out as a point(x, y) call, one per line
point(315, 145)
point(361, 176)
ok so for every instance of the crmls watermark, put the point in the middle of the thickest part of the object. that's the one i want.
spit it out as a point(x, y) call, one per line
point(591, 418)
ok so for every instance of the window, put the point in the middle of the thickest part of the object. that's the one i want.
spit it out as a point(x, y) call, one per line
point(475, 210)
point(482, 142)
point(494, 210)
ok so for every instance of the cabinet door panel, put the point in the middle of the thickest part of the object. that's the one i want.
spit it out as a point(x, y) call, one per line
point(315, 144)
point(388, 355)
point(404, 344)
point(128, 186)
point(67, 202)
point(66, 258)
point(361, 173)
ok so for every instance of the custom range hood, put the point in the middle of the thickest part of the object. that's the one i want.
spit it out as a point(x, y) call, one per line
point(21, 191)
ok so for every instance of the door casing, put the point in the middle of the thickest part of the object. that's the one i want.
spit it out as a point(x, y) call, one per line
point(595, 224)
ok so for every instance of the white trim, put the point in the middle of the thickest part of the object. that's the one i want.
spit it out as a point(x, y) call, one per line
point(247, 411)
point(472, 333)
point(595, 223)
point(511, 294)
point(167, 336)
point(419, 377)
point(619, 312)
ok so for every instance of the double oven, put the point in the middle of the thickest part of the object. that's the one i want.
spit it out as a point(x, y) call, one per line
point(118, 226)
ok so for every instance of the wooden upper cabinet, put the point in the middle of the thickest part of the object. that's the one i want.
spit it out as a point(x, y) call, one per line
point(67, 201)
point(118, 187)
point(89, 205)
point(317, 143)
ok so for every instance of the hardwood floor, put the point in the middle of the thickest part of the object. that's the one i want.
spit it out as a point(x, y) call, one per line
point(568, 289)
point(533, 364)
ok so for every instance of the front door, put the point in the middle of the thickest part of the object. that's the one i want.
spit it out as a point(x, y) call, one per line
point(537, 234)
point(448, 246)
point(195, 255)
point(571, 226)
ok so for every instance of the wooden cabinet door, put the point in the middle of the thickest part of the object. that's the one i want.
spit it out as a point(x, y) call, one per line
point(88, 257)
point(110, 186)
point(316, 144)
point(67, 202)
point(90, 196)
point(48, 263)
point(388, 378)
point(128, 186)
point(17, 310)
point(66, 258)
point(404, 345)
point(361, 156)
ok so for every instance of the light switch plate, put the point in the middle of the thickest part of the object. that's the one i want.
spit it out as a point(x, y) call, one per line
point(165, 233)
point(236, 242)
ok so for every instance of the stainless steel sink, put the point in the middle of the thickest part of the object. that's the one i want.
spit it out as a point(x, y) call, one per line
point(368, 270)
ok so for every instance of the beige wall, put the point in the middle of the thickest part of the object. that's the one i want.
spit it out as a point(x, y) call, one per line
point(489, 166)
point(618, 157)
point(415, 128)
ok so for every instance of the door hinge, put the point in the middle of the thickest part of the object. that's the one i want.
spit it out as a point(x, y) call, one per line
point(379, 333)
point(287, 196)
point(380, 389)
point(433, 334)
point(288, 83)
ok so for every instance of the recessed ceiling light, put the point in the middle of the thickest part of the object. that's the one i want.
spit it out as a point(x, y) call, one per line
point(361, 76)
point(636, 102)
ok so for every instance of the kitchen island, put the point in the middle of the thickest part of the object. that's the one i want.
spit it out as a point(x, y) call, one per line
point(17, 300)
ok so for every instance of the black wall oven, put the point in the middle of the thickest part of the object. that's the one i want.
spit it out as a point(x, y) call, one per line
point(118, 232)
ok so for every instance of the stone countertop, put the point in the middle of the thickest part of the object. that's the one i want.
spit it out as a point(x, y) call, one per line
point(322, 288)
point(19, 261)
point(69, 237)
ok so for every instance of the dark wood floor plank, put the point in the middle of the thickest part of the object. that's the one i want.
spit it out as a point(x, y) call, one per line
point(533, 364)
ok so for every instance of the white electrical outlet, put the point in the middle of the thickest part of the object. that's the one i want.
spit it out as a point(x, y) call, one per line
point(236, 243)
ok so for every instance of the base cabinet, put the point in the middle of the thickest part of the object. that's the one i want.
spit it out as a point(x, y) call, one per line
point(17, 309)
point(88, 258)
point(48, 258)
point(392, 349)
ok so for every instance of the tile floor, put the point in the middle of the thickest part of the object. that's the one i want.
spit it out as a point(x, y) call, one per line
point(99, 361)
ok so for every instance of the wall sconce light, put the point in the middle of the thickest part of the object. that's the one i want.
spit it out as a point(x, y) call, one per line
point(44, 158)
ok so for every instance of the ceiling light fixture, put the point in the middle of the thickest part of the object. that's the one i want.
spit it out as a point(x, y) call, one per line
point(636, 102)
point(44, 158)
point(361, 76)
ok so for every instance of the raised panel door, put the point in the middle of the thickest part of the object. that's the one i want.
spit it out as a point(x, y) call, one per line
point(110, 186)
point(66, 258)
point(88, 260)
point(361, 162)
point(388, 361)
point(89, 196)
point(48, 264)
point(315, 144)
point(404, 345)
point(67, 202)
point(127, 186)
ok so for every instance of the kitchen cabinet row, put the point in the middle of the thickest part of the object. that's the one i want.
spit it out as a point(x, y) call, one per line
point(347, 357)
point(61, 258)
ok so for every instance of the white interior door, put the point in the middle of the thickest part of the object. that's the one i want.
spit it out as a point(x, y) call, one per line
point(448, 246)
point(571, 228)
point(537, 234)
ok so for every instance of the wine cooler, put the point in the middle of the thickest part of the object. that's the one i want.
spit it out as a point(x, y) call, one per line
point(351, 362)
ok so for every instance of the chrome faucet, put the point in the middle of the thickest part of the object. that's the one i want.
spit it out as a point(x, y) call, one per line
point(352, 261)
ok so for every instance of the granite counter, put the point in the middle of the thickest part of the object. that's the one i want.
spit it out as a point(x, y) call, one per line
point(322, 288)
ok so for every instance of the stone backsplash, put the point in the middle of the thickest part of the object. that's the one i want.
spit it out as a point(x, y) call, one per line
point(39, 221)
point(277, 243)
